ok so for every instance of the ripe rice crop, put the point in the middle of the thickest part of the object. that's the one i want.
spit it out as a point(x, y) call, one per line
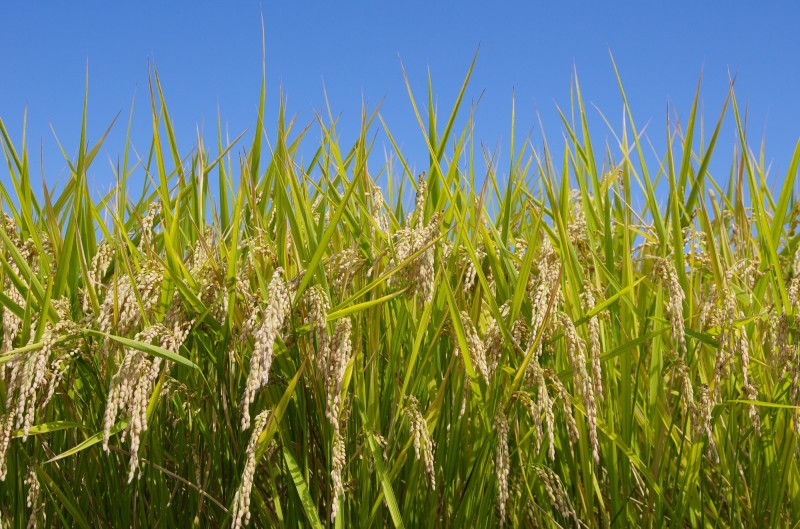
point(262, 341)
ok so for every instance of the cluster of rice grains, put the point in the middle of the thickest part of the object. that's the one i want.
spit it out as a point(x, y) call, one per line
point(415, 242)
point(422, 438)
point(541, 364)
point(31, 376)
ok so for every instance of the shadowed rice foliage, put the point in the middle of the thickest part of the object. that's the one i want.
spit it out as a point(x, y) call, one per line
point(260, 340)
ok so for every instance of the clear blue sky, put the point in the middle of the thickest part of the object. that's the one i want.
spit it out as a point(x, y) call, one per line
point(208, 54)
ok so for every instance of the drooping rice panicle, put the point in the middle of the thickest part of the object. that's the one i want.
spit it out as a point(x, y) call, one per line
point(275, 314)
point(502, 464)
point(240, 515)
point(423, 445)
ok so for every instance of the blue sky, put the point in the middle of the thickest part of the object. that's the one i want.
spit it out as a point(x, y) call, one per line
point(208, 56)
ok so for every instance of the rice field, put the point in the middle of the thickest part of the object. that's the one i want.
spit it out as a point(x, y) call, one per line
point(261, 339)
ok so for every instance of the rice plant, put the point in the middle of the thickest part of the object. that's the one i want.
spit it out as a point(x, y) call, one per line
point(258, 339)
